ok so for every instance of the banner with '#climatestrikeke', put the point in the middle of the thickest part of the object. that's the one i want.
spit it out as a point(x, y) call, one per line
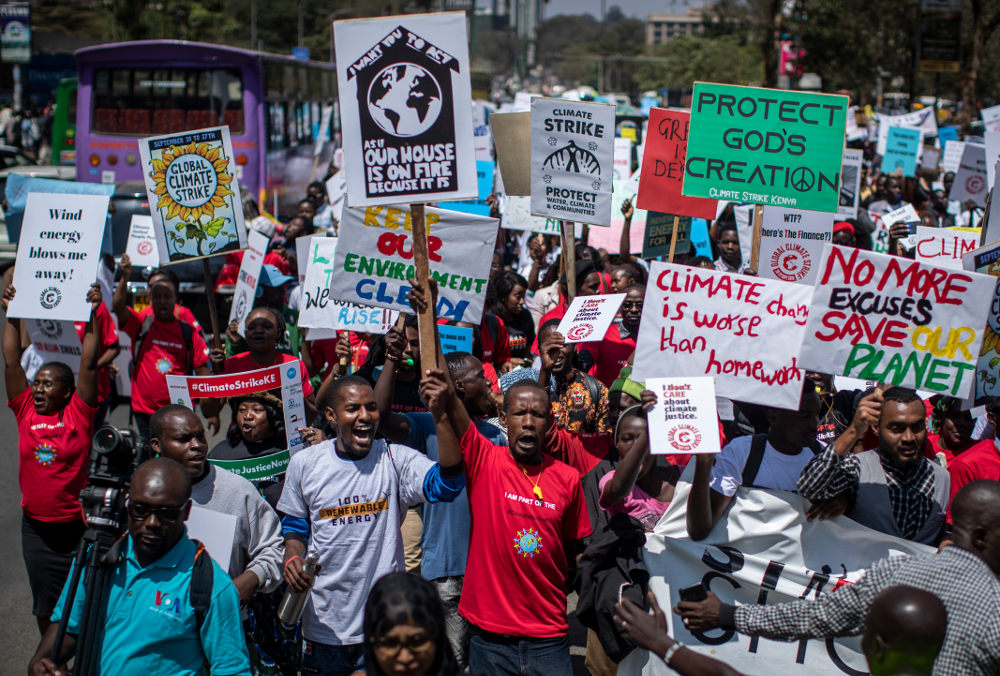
point(765, 146)
point(698, 322)
point(572, 158)
point(404, 101)
point(374, 259)
point(896, 321)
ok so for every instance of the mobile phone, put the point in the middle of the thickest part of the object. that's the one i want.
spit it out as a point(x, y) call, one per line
point(694, 593)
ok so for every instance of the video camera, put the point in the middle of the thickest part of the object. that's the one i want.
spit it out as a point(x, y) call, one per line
point(114, 458)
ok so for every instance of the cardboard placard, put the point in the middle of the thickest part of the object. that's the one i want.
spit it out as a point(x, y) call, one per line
point(282, 380)
point(971, 179)
point(512, 134)
point(141, 247)
point(216, 530)
point(930, 158)
point(455, 338)
point(896, 321)
point(766, 146)
point(698, 322)
point(404, 93)
point(622, 166)
point(572, 153)
point(194, 196)
point(945, 246)
point(662, 169)
point(336, 190)
point(901, 151)
point(58, 255)
point(684, 419)
point(249, 276)
point(374, 259)
point(986, 261)
point(319, 310)
point(850, 184)
point(588, 318)
point(791, 243)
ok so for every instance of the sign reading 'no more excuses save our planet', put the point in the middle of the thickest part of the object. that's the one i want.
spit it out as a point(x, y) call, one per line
point(404, 96)
point(765, 146)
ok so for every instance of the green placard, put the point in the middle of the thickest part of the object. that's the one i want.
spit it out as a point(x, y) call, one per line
point(659, 229)
point(257, 469)
point(766, 146)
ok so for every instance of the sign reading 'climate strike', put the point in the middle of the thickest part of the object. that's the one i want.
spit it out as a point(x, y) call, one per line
point(766, 146)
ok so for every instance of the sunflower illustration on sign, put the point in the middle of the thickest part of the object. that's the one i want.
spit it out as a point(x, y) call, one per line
point(192, 190)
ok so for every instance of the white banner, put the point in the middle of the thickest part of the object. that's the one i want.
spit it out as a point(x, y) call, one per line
point(896, 321)
point(992, 155)
point(404, 101)
point(698, 322)
point(918, 119)
point(850, 183)
point(991, 118)
point(762, 551)
point(374, 259)
point(952, 157)
point(515, 214)
point(572, 157)
point(58, 255)
point(791, 243)
point(249, 276)
point(141, 246)
point(622, 168)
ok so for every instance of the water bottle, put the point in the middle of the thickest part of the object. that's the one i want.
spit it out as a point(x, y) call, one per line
point(293, 602)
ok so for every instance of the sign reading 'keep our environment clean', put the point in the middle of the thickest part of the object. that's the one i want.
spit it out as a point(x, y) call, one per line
point(766, 146)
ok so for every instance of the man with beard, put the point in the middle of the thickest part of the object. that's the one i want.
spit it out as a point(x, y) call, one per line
point(893, 488)
point(615, 350)
point(345, 499)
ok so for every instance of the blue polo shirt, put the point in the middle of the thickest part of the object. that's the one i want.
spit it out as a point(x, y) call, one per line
point(445, 538)
point(150, 626)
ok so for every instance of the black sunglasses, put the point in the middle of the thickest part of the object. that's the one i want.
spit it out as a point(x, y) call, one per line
point(140, 511)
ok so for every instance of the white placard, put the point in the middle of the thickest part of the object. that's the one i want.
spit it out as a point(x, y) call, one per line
point(374, 259)
point(698, 322)
point(991, 118)
point(588, 317)
point(945, 247)
point(141, 246)
point(992, 155)
point(952, 157)
point(904, 214)
point(971, 179)
point(516, 215)
point(53, 341)
point(58, 255)
point(404, 103)
point(248, 278)
point(992, 223)
point(217, 531)
point(791, 243)
point(850, 183)
point(302, 244)
point(852, 131)
point(918, 119)
point(684, 419)
point(481, 132)
point(336, 190)
point(622, 167)
point(572, 157)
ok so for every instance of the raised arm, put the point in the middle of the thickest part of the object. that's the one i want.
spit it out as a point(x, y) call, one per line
point(705, 506)
point(14, 376)
point(119, 301)
point(86, 384)
point(625, 244)
point(394, 426)
point(439, 395)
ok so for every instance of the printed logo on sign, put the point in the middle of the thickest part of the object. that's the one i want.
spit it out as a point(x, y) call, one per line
point(580, 331)
point(527, 542)
point(290, 372)
point(50, 329)
point(50, 297)
point(975, 184)
point(144, 248)
point(685, 438)
point(791, 262)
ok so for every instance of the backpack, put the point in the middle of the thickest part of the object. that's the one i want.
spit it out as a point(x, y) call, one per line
point(187, 332)
point(758, 444)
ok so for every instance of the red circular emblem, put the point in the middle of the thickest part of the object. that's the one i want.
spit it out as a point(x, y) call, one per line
point(580, 331)
point(791, 262)
point(975, 184)
point(684, 438)
point(144, 248)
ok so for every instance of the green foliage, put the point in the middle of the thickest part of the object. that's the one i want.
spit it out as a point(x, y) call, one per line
point(689, 59)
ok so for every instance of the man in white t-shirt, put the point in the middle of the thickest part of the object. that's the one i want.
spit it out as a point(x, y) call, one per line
point(774, 461)
point(345, 499)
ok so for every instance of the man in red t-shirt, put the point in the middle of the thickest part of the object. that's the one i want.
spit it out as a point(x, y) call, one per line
point(528, 515)
point(982, 461)
point(612, 353)
point(166, 347)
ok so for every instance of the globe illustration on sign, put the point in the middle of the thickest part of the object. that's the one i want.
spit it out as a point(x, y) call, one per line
point(404, 99)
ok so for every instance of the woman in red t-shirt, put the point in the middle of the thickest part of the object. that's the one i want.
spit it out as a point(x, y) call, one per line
point(55, 423)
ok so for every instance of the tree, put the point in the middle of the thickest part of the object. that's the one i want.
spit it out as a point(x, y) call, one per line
point(985, 19)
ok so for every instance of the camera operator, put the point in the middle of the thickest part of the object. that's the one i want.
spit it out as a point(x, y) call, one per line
point(55, 421)
point(150, 624)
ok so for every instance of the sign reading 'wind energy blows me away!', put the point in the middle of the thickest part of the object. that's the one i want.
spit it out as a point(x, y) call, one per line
point(766, 146)
point(404, 96)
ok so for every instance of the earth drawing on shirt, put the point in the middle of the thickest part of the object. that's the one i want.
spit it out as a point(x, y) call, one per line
point(163, 365)
point(45, 454)
point(527, 542)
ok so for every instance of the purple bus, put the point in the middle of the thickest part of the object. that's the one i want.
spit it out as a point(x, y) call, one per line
point(272, 104)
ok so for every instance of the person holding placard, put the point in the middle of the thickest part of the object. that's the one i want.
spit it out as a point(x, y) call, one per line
point(579, 400)
point(162, 345)
point(773, 460)
point(109, 348)
point(613, 352)
point(507, 291)
point(55, 423)
point(730, 257)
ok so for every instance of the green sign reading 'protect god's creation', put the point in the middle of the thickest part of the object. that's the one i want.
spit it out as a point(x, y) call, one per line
point(766, 146)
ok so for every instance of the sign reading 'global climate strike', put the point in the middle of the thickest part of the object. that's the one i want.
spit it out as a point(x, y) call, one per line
point(766, 146)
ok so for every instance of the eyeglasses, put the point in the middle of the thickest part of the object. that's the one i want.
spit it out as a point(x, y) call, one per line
point(390, 645)
point(632, 304)
point(140, 511)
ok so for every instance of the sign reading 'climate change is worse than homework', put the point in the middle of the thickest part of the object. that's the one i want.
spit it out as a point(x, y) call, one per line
point(766, 146)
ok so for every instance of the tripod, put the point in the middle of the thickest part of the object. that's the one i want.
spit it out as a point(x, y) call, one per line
point(96, 558)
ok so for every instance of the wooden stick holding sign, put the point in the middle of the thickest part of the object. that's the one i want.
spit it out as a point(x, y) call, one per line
point(568, 260)
point(758, 224)
point(213, 315)
point(425, 320)
point(673, 240)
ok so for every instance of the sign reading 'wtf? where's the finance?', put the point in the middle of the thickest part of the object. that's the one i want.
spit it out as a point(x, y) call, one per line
point(572, 159)
point(766, 146)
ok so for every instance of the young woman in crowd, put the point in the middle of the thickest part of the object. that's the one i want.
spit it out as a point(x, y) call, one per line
point(507, 302)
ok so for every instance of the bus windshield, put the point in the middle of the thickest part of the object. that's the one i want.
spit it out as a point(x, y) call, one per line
point(137, 101)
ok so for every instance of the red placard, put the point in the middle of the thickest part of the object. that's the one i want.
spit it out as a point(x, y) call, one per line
point(662, 172)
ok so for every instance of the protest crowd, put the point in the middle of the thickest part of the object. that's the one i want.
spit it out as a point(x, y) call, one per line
point(707, 428)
